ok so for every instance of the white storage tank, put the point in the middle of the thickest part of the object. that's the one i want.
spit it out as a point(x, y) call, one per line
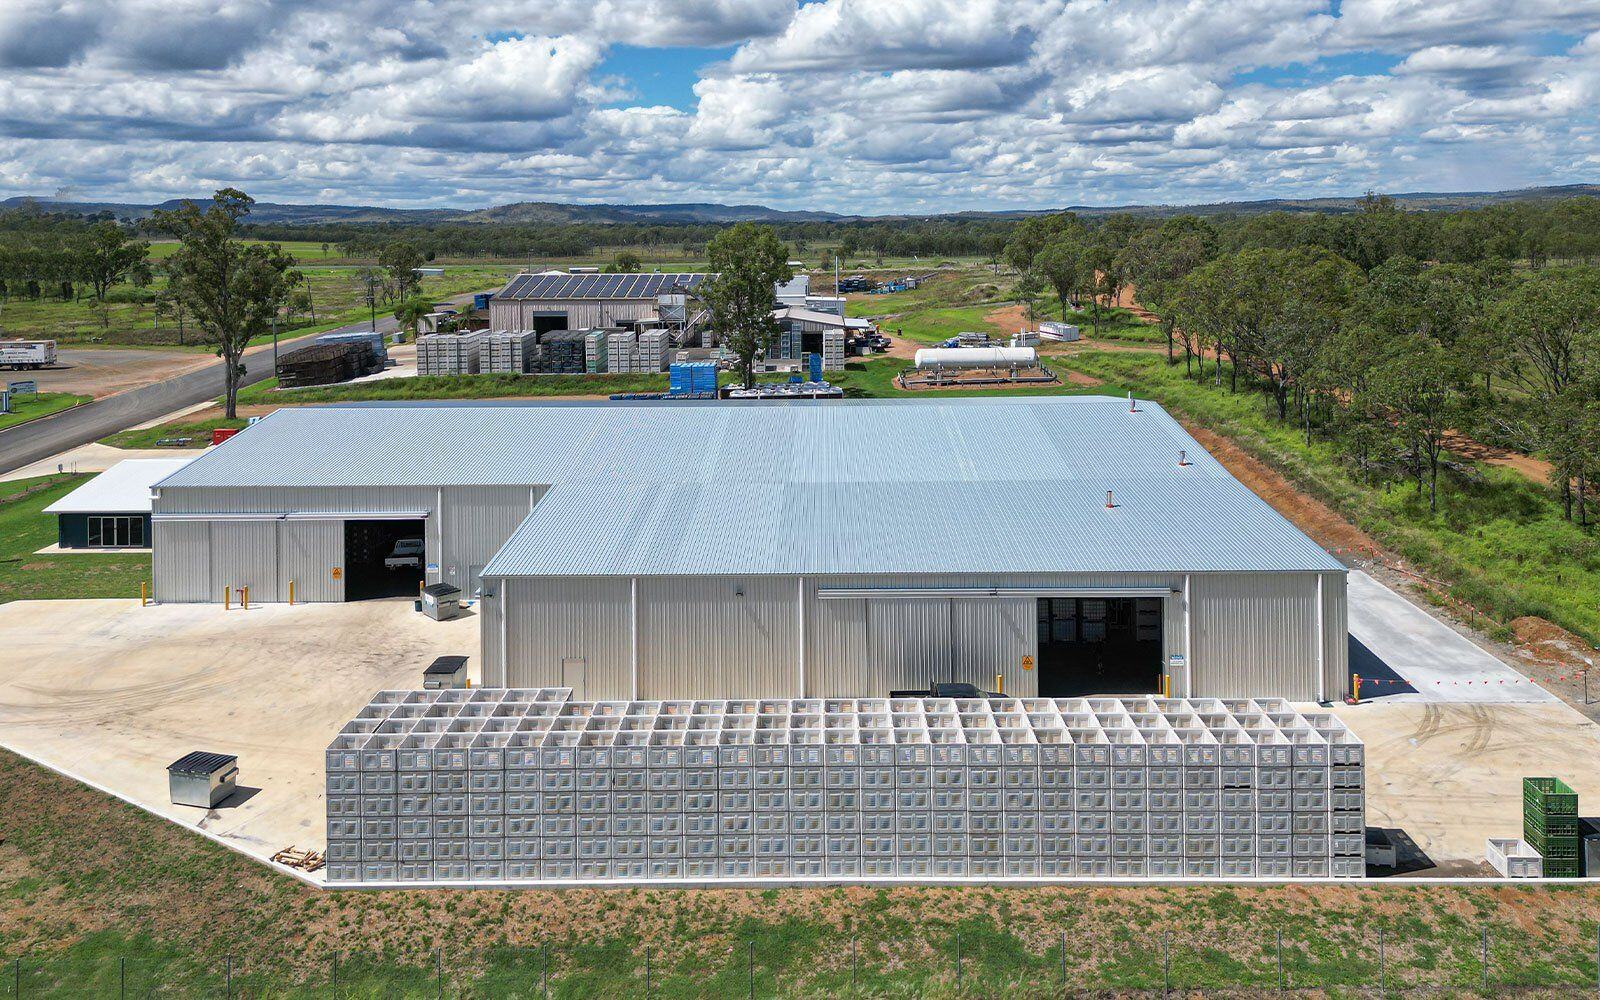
point(976, 357)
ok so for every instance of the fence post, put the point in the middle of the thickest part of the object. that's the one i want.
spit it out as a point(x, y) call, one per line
point(1166, 962)
point(438, 964)
point(122, 976)
point(752, 967)
point(17, 967)
point(336, 970)
point(647, 974)
point(546, 949)
point(958, 960)
point(855, 965)
point(1486, 960)
point(1063, 963)
point(1280, 960)
point(227, 965)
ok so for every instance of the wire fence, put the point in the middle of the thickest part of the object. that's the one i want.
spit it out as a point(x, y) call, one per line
point(950, 963)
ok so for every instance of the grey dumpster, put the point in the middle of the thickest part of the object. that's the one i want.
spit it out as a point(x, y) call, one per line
point(202, 779)
point(445, 672)
point(441, 601)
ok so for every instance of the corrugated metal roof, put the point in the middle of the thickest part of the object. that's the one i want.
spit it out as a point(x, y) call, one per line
point(947, 486)
point(122, 489)
point(558, 286)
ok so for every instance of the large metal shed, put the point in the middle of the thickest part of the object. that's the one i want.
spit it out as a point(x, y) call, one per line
point(798, 549)
point(558, 301)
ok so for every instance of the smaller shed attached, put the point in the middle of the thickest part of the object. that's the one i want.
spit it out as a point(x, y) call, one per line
point(112, 510)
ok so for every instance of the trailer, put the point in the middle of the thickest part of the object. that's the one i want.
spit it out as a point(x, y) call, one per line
point(27, 354)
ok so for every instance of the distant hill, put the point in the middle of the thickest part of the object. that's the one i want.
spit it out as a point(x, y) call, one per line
point(526, 212)
point(558, 213)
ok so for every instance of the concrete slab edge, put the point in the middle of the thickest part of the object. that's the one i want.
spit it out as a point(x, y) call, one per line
point(888, 882)
point(305, 877)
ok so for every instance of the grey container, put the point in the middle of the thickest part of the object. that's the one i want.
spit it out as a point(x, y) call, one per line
point(202, 779)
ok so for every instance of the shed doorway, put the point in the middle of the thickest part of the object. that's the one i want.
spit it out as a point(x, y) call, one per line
point(383, 559)
point(1099, 646)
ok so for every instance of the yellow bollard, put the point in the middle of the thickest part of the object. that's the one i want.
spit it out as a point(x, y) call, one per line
point(421, 584)
point(1357, 698)
point(227, 598)
point(999, 683)
point(291, 593)
point(244, 598)
point(144, 594)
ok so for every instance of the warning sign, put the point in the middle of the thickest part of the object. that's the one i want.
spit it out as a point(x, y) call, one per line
point(338, 573)
point(1027, 663)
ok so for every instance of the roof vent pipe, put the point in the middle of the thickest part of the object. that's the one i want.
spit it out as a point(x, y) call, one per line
point(1111, 501)
point(1183, 459)
point(1133, 407)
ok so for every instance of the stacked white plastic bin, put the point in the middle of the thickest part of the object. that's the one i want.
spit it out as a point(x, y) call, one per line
point(523, 785)
point(449, 353)
point(509, 351)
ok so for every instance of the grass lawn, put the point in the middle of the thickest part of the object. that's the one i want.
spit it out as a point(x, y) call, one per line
point(130, 319)
point(32, 406)
point(198, 430)
point(91, 881)
point(456, 387)
point(25, 528)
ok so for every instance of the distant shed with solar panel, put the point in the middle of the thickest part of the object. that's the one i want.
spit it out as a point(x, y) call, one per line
point(541, 303)
point(1047, 546)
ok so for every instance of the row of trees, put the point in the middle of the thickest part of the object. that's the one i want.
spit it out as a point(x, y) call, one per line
point(1394, 358)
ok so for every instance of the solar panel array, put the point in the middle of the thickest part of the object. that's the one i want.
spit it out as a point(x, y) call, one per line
point(598, 286)
point(524, 785)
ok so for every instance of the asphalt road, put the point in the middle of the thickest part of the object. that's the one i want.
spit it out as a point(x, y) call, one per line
point(39, 439)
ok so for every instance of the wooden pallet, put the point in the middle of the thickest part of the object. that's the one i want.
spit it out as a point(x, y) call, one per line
point(306, 861)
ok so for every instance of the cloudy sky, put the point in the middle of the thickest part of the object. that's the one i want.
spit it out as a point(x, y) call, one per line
point(844, 105)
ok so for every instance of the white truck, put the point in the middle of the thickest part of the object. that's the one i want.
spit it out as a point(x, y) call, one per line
point(27, 353)
point(407, 553)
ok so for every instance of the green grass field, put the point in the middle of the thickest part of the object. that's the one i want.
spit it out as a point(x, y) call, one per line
point(304, 251)
point(33, 405)
point(129, 319)
point(198, 431)
point(25, 528)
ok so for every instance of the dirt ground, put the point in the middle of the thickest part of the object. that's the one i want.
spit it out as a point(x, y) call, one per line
point(1450, 776)
point(91, 372)
point(111, 693)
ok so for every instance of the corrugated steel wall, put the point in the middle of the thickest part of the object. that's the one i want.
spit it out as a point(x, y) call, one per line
point(476, 523)
point(1255, 634)
point(245, 554)
point(582, 314)
point(1336, 636)
point(181, 562)
point(718, 637)
point(309, 552)
point(492, 664)
point(570, 619)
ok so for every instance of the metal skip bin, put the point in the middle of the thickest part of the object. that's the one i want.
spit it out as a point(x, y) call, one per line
point(202, 779)
point(441, 601)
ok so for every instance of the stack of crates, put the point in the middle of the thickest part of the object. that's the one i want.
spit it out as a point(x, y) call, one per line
point(527, 786)
point(449, 353)
point(563, 352)
point(622, 352)
point(377, 353)
point(833, 349)
point(1550, 824)
point(692, 378)
point(594, 352)
point(655, 347)
point(515, 352)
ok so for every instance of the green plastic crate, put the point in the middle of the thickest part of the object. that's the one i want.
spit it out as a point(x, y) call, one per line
point(1564, 827)
point(1561, 849)
point(1560, 869)
point(1548, 797)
